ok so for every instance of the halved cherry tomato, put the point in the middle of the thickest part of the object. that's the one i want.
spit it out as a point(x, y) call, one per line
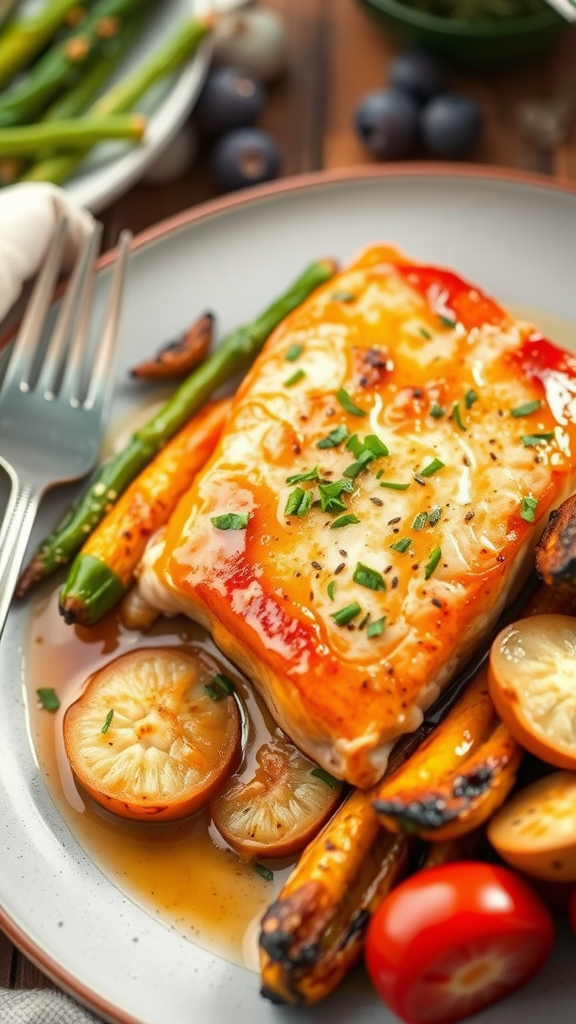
point(533, 685)
point(535, 831)
point(452, 939)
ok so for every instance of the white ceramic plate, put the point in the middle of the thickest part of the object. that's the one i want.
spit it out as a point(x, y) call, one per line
point(516, 238)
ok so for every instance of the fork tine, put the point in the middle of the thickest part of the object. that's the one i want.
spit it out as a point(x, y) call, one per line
point(26, 344)
point(53, 362)
point(103, 363)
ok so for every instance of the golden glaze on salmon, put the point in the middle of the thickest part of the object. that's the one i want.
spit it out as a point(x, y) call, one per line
point(386, 468)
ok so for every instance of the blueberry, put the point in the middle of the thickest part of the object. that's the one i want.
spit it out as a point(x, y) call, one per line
point(451, 125)
point(231, 98)
point(387, 123)
point(417, 73)
point(244, 156)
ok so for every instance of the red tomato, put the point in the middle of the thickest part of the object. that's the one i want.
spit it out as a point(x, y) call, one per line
point(450, 940)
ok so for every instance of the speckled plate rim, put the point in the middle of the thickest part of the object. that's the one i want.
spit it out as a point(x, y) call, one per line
point(54, 903)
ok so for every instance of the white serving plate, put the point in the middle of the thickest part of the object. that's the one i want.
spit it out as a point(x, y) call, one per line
point(514, 236)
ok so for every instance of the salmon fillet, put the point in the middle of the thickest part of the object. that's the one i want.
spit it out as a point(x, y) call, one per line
point(386, 470)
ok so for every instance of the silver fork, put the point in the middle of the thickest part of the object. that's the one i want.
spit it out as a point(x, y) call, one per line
point(55, 395)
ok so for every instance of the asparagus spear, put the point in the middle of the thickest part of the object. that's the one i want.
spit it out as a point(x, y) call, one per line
point(24, 38)
point(65, 62)
point(73, 134)
point(122, 97)
point(232, 357)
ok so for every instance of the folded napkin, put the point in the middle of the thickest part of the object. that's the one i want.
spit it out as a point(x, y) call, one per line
point(29, 213)
point(41, 1006)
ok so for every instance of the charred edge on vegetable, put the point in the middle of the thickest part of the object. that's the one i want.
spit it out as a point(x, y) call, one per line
point(292, 928)
point(556, 551)
point(436, 810)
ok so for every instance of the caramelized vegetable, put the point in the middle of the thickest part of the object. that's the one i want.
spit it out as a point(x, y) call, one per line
point(179, 357)
point(458, 776)
point(556, 552)
point(313, 934)
point(154, 734)
point(279, 810)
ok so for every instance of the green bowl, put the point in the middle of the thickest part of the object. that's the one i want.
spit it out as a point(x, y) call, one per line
point(474, 46)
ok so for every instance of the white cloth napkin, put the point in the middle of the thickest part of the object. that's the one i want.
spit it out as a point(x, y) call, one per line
point(41, 1006)
point(28, 215)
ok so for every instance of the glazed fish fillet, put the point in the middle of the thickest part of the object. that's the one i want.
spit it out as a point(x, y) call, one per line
point(387, 467)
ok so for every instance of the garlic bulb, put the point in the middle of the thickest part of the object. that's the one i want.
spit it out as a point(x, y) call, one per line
point(253, 38)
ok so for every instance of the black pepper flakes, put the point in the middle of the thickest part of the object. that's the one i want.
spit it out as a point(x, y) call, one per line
point(437, 602)
point(395, 520)
point(494, 457)
point(469, 515)
point(342, 552)
point(339, 568)
point(394, 582)
point(419, 479)
point(377, 501)
point(316, 565)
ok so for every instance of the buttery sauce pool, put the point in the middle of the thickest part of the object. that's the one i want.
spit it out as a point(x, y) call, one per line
point(181, 872)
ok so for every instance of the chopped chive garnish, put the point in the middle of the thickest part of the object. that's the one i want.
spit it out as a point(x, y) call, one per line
point(469, 398)
point(531, 440)
point(320, 773)
point(348, 520)
point(394, 487)
point(226, 684)
point(457, 416)
point(330, 500)
point(331, 589)
point(425, 334)
point(376, 446)
point(298, 375)
point(431, 468)
point(528, 508)
point(354, 445)
point(369, 578)
point(401, 545)
point(334, 438)
point(376, 628)
point(293, 352)
point(266, 873)
point(219, 687)
point(343, 296)
point(526, 409)
point(434, 515)
point(300, 478)
point(362, 461)
point(231, 521)
point(446, 321)
point(437, 411)
point(346, 614)
point(347, 404)
point(420, 521)
point(434, 558)
point(108, 720)
point(298, 503)
point(48, 698)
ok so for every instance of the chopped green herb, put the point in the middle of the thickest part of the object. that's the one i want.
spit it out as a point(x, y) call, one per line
point(457, 416)
point(108, 720)
point(219, 687)
point(420, 521)
point(343, 296)
point(347, 404)
point(231, 521)
point(266, 873)
point(401, 545)
point(226, 684)
point(434, 558)
point(432, 468)
point(293, 352)
point(531, 440)
point(446, 321)
point(298, 503)
point(330, 500)
point(425, 334)
point(48, 698)
point(300, 478)
point(320, 773)
point(437, 412)
point(362, 461)
point(376, 628)
point(346, 614)
point(526, 409)
point(348, 520)
point(394, 487)
point(355, 445)
point(369, 578)
point(528, 508)
point(297, 376)
point(334, 438)
point(331, 589)
point(469, 398)
point(376, 446)
point(434, 515)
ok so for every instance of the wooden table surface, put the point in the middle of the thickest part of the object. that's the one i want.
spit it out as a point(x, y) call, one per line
point(337, 54)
